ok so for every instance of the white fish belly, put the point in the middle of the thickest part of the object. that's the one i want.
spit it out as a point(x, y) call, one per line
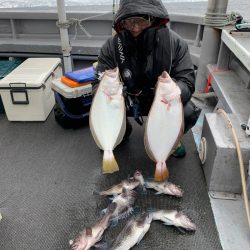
point(107, 119)
point(163, 128)
point(130, 240)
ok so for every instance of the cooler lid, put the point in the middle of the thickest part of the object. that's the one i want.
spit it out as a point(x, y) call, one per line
point(68, 92)
point(33, 72)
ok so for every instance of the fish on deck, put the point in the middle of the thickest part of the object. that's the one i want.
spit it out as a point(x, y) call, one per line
point(124, 205)
point(93, 234)
point(174, 218)
point(128, 184)
point(133, 232)
point(165, 187)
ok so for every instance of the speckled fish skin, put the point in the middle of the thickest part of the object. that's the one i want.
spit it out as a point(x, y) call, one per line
point(133, 232)
point(128, 184)
point(164, 125)
point(93, 234)
point(174, 218)
point(139, 177)
point(165, 187)
point(124, 204)
point(107, 118)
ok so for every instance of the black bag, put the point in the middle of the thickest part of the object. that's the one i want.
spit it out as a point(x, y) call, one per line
point(72, 113)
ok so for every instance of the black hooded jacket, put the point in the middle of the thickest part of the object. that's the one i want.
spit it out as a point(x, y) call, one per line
point(156, 49)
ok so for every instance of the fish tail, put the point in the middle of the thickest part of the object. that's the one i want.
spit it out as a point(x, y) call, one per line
point(161, 171)
point(164, 171)
point(109, 165)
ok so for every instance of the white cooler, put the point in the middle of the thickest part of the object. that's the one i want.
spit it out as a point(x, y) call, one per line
point(26, 92)
point(69, 92)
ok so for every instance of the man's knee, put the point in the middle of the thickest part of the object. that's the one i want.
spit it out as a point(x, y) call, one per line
point(191, 115)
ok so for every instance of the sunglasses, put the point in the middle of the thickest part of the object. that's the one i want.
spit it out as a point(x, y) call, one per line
point(130, 22)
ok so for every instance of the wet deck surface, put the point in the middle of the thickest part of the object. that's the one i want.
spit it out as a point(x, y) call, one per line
point(47, 179)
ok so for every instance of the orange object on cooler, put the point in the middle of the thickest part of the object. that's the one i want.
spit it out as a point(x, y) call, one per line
point(71, 83)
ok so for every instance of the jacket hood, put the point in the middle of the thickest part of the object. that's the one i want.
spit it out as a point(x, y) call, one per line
point(154, 8)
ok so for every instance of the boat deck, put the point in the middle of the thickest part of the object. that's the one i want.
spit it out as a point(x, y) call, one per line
point(48, 175)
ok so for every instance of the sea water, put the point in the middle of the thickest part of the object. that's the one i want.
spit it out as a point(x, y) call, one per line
point(52, 3)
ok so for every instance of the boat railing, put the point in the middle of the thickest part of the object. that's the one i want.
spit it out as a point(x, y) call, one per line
point(36, 31)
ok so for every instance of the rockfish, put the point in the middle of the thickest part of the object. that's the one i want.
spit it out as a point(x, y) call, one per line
point(128, 184)
point(133, 232)
point(165, 188)
point(139, 177)
point(164, 125)
point(174, 218)
point(124, 205)
point(108, 118)
point(91, 235)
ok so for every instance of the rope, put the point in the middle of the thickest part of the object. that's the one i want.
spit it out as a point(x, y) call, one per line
point(242, 172)
point(78, 23)
point(219, 19)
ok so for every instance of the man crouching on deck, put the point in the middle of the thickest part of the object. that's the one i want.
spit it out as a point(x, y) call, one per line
point(142, 49)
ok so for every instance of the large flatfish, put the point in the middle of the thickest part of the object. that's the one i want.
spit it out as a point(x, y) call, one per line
point(108, 118)
point(164, 125)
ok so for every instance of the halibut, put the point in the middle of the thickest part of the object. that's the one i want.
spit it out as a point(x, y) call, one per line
point(164, 125)
point(108, 118)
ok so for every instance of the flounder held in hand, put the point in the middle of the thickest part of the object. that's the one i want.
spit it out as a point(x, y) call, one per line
point(164, 124)
point(108, 118)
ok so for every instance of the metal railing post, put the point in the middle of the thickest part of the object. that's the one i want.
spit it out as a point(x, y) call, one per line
point(66, 48)
point(210, 44)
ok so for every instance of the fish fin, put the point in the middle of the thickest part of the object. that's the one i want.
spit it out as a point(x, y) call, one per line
point(181, 230)
point(146, 145)
point(164, 171)
point(158, 174)
point(140, 237)
point(167, 221)
point(109, 165)
point(104, 211)
point(102, 245)
point(114, 222)
point(161, 172)
point(181, 132)
point(123, 129)
point(92, 130)
point(157, 193)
